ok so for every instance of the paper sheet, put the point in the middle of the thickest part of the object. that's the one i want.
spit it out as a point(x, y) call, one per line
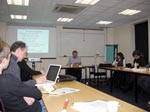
point(96, 106)
point(64, 90)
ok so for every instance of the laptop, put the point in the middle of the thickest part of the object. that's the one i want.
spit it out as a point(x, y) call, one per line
point(52, 74)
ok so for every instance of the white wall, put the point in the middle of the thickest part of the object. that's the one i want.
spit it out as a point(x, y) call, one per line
point(109, 34)
point(59, 60)
point(3, 30)
point(124, 37)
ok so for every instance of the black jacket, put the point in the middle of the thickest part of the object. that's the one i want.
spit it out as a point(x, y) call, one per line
point(12, 91)
point(140, 61)
point(26, 71)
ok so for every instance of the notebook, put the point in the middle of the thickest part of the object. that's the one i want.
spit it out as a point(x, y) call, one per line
point(52, 74)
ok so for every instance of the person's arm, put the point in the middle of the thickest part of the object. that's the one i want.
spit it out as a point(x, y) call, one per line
point(142, 62)
point(114, 62)
point(26, 69)
point(69, 61)
point(22, 90)
point(124, 63)
point(30, 82)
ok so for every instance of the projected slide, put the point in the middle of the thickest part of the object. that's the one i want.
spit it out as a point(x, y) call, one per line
point(36, 40)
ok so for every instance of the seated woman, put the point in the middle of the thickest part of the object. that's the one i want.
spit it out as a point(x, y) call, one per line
point(119, 60)
point(118, 77)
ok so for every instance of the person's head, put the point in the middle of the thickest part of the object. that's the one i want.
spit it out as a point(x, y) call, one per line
point(120, 56)
point(19, 49)
point(75, 54)
point(136, 54)
point(4, 55)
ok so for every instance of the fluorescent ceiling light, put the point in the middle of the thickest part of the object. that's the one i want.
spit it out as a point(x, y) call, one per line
point(91, 2)
point(104, 22)
point(130, 12)
point(65, 19)
point(18, 17)
point(18, 2)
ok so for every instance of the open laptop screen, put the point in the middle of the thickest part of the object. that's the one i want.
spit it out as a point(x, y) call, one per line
point(53, 72)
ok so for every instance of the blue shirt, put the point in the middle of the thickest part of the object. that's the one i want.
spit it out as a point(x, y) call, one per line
point(73, 60)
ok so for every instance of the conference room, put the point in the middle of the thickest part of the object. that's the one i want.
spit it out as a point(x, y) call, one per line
point(52, 29)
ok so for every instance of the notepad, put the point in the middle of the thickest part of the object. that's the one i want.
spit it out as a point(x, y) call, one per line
point(96, 106)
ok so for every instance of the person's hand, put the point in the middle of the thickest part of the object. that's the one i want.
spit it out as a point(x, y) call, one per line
point(42, 70)
point(29, 100)
point(41, 79)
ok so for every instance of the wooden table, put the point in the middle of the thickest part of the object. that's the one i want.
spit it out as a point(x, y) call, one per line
point(127, 70)
point(86, 93)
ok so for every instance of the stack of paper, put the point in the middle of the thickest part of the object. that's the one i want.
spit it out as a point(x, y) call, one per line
point(96, 106)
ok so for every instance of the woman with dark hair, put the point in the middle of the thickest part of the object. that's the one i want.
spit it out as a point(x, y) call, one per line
point(138, 59)
point(119, 61)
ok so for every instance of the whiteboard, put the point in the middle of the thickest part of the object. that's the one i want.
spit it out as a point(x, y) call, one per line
point(87, 43)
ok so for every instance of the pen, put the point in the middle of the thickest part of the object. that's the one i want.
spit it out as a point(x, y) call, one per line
point(65, 103)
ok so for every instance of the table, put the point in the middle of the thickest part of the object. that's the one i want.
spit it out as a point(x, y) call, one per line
point(80, 67)
point(127, 70)
point(86, 93)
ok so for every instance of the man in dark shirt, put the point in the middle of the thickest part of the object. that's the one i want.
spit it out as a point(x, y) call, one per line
point(18, 51)
point(26, 71)
point(13, 92)
point(16, 96)
point(138, 58)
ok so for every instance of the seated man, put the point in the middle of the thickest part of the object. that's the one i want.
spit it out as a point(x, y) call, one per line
point(26, 71)
point(18, 53)
point(73, 63)
point(16, 96)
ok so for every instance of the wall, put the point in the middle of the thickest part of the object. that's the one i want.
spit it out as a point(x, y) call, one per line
point(124, 37)
point(59, 60)
point(109, 34)
point(3, 30)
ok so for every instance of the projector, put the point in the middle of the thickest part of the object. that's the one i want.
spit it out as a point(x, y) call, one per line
point(34, 59)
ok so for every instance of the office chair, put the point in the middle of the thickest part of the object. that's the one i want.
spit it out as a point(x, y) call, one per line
point(97, 75)
point(2, 108)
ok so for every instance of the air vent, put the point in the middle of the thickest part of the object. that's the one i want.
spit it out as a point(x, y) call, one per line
point(68, 8)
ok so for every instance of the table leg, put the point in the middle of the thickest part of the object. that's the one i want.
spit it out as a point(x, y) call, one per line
point(85, 75)
point(111, 81)
point(136, 89)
